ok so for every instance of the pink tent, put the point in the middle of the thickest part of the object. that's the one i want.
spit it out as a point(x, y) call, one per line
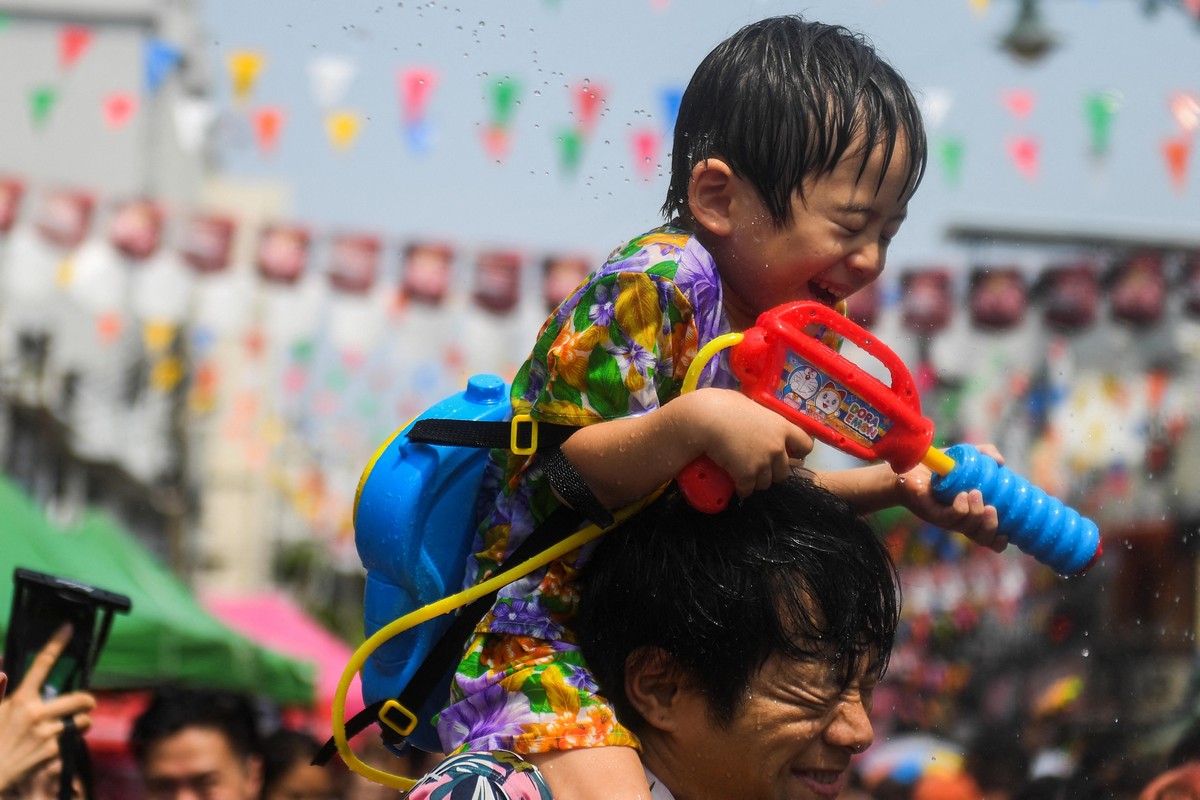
point(274, 621)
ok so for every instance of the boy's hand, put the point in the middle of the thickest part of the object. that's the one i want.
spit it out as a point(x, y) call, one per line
point(968, 514)
point(755, 445)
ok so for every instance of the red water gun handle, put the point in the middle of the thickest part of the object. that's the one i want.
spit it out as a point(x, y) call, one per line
point(839, 403)
point(705, 485)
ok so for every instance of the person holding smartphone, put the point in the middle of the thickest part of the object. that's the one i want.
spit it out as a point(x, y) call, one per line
point(31, 724)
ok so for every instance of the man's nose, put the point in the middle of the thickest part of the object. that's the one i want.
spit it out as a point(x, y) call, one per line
point(851, 726)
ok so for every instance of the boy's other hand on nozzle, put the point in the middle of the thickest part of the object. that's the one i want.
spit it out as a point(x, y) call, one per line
point(968, 514)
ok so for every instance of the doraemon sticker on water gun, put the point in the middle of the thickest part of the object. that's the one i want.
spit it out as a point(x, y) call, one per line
point(806, 389)
point(785, 363)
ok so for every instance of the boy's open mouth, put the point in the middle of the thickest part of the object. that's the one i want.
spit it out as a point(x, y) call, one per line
point(826, 293)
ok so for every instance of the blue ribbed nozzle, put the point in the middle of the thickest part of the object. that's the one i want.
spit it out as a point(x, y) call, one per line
point(1040, 525)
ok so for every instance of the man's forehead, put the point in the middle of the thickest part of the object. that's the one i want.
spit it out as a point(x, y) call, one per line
point(197, 745)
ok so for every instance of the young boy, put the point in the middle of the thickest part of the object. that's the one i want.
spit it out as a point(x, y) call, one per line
point(796, 152)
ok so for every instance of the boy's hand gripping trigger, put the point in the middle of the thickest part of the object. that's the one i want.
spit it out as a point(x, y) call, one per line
point(783, 365)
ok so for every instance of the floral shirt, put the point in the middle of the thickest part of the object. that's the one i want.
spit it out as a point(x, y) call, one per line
point(619, 346)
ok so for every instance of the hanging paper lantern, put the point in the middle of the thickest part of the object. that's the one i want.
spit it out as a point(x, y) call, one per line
point(1138, 289)
point(426, 272)
point(1191, 284)
point(862, 307)
point(136, 229)
point(1071, 295)
point(997, 297)
point(207, 242)
point(99, 281)
point(282, 253)
point(925, 303)
point(12, 191)
point(64, 217)
point(354, 262)
point(561, 276)
point(497, 281)
point(162, 289)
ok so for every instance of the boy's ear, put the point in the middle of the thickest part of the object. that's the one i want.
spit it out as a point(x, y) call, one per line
point(711, 195)
point(654, 687)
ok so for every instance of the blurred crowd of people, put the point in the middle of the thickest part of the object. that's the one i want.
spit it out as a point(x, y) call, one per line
point(187, 743)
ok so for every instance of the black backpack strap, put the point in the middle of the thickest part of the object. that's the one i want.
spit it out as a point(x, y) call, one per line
point(521, 434)
point(561, 523)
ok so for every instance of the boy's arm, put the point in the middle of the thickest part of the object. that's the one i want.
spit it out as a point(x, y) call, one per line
point(625, 459)
point(876, 487)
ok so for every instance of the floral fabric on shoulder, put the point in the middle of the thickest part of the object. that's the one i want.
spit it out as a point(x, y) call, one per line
point(498, 775)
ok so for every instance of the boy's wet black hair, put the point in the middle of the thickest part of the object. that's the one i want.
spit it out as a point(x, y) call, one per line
point(783, 100)
point(790, 570)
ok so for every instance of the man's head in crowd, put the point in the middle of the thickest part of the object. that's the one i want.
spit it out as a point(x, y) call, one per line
point(198, 743)
point(742, 647)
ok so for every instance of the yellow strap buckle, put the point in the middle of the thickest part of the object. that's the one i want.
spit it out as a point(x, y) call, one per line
point(520, 424)
point(403, 727)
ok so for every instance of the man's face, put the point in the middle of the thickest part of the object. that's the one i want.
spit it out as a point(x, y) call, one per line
point(199, 764)
point(791, 738)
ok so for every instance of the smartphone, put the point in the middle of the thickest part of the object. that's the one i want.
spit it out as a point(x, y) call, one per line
point(41, 604)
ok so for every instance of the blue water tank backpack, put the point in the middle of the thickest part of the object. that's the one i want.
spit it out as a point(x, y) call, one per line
point(414, 519)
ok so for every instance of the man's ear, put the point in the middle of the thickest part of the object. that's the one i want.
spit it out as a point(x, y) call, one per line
point(654, 686)
point(711, 194)
point(254, 775)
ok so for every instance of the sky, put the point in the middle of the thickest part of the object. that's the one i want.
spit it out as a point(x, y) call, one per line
point(453, 188)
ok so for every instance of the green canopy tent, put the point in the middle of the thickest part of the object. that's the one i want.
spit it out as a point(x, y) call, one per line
point(167, 637)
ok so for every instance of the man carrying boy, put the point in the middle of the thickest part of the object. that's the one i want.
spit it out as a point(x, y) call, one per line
point(740, 648)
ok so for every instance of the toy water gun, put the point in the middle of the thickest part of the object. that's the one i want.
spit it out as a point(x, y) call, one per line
point(782, 365)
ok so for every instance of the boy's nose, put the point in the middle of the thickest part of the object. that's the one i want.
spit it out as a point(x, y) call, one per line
point(867, 259)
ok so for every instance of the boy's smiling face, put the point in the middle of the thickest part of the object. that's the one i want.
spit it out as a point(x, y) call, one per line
point(835, 243)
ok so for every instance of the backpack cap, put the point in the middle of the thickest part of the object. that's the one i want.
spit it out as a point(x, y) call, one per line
point(414, 522)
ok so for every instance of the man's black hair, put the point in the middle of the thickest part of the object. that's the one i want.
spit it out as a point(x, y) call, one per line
point(783, 100)
point(172, 710)
point(282, 751)
point(789, 570)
